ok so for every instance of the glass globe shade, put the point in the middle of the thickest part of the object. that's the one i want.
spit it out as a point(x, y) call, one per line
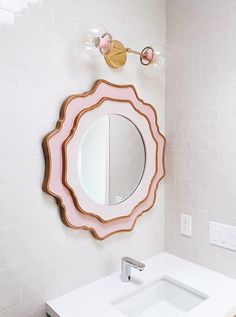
point(89, 37)
point(158, 60)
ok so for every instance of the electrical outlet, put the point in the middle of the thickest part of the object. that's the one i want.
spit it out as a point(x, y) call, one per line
point(186, 225)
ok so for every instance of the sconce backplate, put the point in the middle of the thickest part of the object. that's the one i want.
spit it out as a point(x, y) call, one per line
point(117, 56)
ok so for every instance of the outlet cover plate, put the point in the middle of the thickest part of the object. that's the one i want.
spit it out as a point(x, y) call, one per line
point(186, 225)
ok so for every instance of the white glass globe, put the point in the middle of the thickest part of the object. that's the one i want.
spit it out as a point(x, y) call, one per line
point(88, 39)
point(159, 60)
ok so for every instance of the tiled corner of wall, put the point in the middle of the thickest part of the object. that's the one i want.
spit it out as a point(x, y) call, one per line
point(201, 126)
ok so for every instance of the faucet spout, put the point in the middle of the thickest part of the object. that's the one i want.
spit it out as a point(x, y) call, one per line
point(126, 264)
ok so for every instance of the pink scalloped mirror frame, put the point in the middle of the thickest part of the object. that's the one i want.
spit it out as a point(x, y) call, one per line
point(55, 146)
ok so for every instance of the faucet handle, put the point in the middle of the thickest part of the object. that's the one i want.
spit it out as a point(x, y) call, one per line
point(133, 262)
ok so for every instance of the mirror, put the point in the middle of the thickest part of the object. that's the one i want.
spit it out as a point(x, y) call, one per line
point(104, 159)
point(111, 159)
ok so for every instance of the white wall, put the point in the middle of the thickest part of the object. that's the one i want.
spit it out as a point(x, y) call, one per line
point(201, 126)
point(39, 257)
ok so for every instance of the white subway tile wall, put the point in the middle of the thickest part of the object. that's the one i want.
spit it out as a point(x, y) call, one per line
point(39, 67)
point(201, 126)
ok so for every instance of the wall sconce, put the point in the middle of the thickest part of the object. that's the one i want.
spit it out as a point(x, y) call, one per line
point(99, 42)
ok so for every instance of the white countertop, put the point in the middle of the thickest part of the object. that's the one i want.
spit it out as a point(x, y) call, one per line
point(94, 299)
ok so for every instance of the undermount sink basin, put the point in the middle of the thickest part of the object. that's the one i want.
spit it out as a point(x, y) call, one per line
point(165, 298)
point(168, 287)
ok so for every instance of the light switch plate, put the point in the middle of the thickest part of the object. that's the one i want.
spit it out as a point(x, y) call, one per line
point(186, 225)
point(222, 235)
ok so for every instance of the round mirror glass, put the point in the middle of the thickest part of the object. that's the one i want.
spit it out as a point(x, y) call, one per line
point(111, 159)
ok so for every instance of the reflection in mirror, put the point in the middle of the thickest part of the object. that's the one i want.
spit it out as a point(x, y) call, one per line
point(111, 159)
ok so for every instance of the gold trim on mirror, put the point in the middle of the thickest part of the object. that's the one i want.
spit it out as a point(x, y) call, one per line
point(55, 143)
point(65, 162)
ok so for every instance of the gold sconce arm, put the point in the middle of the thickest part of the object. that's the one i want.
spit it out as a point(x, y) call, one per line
point(117, 55)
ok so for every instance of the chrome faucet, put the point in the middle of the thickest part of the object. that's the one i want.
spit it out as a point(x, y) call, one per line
point(126, 264)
